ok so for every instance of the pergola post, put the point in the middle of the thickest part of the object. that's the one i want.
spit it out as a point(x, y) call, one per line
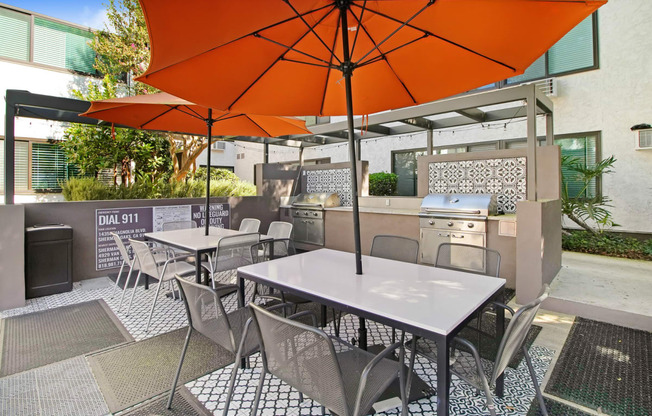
point(10, 145)
point(429, 147)
point(266, 153)
point(531, 163)
point(550, 133)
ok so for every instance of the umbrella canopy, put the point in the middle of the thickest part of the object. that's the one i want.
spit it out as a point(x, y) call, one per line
point(166, 112)
point(295, 57)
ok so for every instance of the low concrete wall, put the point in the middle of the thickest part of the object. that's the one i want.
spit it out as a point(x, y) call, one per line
point(12, 256)
point(81, 216)
point(538, 247)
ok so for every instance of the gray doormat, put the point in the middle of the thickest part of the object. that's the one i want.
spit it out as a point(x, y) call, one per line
point(45, 337)
point(132, 373)
point(605, 366)
point(554, 408)
point(184, 404)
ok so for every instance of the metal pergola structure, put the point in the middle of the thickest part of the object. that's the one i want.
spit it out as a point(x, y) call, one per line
point(528, 101)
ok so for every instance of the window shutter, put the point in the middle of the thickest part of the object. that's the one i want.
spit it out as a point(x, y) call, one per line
point(584, 150)
point(14, 34)
point(21, 170)
point(574, 51)
point(63, 46)
point(48, 167)
point(482, 147)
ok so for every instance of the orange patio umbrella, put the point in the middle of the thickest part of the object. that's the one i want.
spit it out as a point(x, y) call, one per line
point(336, 57)
point(166, 112)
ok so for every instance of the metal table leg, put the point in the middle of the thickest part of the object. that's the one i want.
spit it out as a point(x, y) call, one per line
point(443, 376)
point(500, 331)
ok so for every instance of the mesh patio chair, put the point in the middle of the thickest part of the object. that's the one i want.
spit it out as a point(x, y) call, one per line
point(160, 256)
point(472, 259)
point(249, 225)
point(179, 225)
point(392, 247)
point(469, 367)
point(468, 258)
point(163, 273)
point(260, 252)
point(279, 230)
point(336, 374)
point(206, 315)
point(231, 252)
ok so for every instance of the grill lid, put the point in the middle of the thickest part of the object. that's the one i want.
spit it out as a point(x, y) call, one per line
point(317, 200)
point(480, 205)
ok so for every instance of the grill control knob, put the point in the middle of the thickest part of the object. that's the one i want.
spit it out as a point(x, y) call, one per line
point(470, 225)
point(450, 223)
point(431, 222)
point(314, 214)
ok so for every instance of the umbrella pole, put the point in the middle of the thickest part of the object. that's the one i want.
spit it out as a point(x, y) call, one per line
point(347, 70)
point(209, 125)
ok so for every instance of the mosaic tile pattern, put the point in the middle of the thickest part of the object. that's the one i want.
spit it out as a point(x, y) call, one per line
point(504, 177)
point(331, 180)
point(278, 398)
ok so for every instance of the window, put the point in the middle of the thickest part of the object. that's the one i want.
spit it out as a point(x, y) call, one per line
point(576, 51)
point(49, 167)
point(53, 43)
point(584, 148)
point(404, 165)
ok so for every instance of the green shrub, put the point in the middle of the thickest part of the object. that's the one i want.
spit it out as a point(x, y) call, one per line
point(232, 188)
point(608, 244)
point(90, 189)
point(382, 183)
point(216, 175)
point(85, 189)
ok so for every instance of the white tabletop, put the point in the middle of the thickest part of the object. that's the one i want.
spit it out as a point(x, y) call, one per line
point(194, 239)
point(432, 299)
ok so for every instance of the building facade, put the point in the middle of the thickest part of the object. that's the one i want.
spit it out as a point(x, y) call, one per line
point(599, 79)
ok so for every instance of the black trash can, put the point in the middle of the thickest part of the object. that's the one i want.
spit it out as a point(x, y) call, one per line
point(48, 260)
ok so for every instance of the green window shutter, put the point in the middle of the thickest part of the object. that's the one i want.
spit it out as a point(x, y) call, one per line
point(63, 46)
point(50, 167)
point(2, 166)
point(14, 34)
point(534, 71)
point(574, 51)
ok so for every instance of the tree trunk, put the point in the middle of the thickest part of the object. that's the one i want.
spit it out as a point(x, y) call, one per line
point(581, 223)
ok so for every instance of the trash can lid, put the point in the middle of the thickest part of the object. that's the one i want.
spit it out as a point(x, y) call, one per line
point(48, 232)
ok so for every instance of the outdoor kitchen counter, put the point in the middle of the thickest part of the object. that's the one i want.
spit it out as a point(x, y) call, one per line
point(501, 231)
point(376, 210)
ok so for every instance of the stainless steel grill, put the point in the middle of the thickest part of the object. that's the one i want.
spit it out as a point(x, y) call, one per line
point(308, 216)
point(453, 218)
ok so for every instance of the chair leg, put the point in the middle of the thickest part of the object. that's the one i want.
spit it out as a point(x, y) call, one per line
point(485, 384)
point(133, 293)
point(401, 377)
point(336, 322)
point(122, 297)
point(259, 391)
point(151, 311)
point(117, 279)
point(176, 376)
point(537, 389)
point(413, 357)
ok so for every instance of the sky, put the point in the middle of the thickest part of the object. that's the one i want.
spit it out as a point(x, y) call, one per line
point(91, 13)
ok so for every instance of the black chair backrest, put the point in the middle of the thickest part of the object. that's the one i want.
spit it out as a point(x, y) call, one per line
point(468, 258)
point(395, 247)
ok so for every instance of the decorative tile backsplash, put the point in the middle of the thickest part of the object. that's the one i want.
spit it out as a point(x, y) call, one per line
point(504, 177)
point(331, 180)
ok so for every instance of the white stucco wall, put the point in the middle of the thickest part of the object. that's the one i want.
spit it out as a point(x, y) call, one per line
point(37, 80)
point(610, 100)
point(224, 157)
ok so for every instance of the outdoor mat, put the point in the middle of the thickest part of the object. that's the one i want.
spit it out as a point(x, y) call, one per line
point(37, 339)
point(132, 373)
point(554, 408)
point(184, 404)
point(489, 345)
point(508, 295)
point(605, 366)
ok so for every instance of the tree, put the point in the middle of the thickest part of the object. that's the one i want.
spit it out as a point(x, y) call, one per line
point(580, 208)
point(93, 148)
point(122, 54)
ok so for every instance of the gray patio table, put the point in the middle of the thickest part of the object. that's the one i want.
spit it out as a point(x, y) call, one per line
point(194, 241)
point(426, 301)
